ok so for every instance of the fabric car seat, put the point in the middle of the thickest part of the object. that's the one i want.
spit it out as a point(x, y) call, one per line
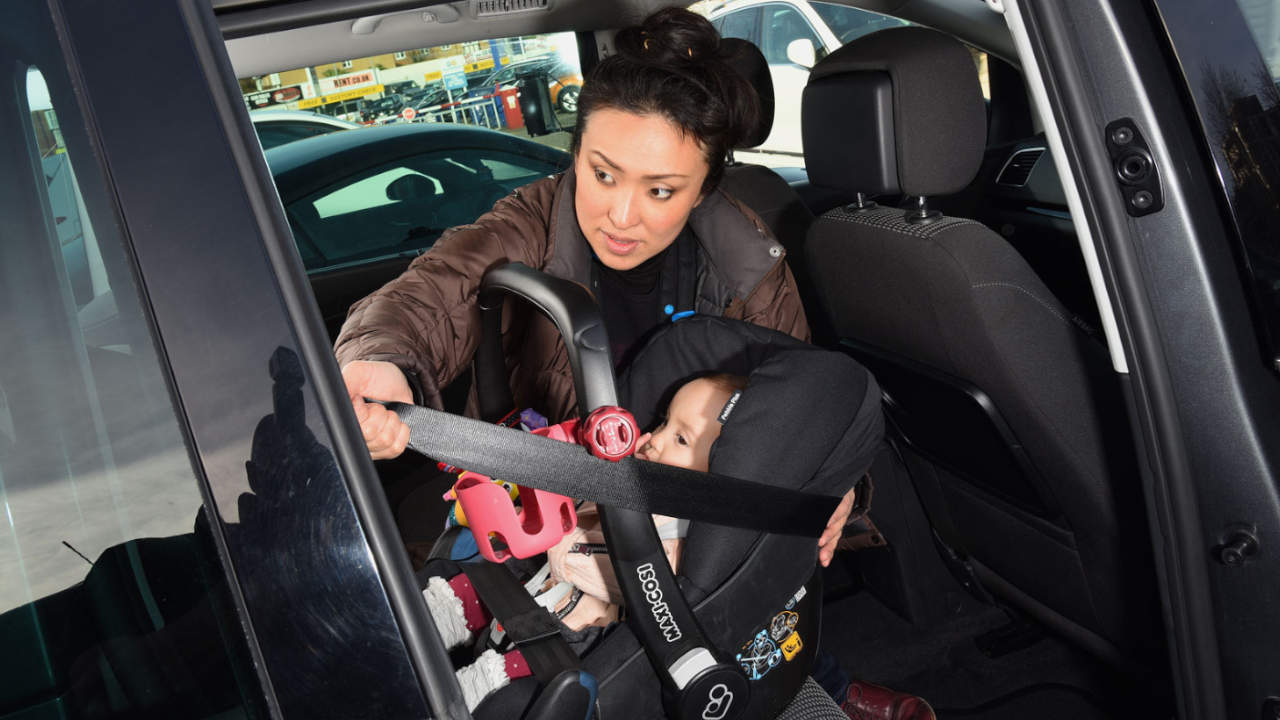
point(758, 187)
point(1008, 415)
point(763, 190)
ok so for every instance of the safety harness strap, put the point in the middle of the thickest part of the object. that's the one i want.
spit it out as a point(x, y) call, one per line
point(530, 626)
point(537, 462)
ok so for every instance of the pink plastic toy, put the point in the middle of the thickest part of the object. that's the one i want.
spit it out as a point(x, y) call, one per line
point(544, 517)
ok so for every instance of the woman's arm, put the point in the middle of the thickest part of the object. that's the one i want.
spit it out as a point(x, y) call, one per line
point(426, 321)
point(775, 304)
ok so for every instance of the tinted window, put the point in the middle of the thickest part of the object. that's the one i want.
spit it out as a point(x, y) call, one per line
point(741, 24)
point(782, 25)
point(113, 603)
point(1230, 55)
point(403, 206)
point(279, 133)
point(848, 23)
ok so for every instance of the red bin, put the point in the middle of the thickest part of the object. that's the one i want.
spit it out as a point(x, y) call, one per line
point(510, 101)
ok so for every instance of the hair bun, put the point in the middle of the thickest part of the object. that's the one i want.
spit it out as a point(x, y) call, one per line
point(671, 36)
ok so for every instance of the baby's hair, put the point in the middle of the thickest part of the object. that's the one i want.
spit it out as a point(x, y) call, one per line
point(673, 65)
point(727, 382)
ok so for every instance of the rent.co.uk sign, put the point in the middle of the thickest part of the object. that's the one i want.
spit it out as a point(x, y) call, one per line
point(353, 79)
point(344, 87)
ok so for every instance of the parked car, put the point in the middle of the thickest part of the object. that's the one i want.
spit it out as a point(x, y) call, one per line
point(193, 527)
point(793, 35)
point(385, 109)
point(563, 81)
point(362, 205)
point(277, 127)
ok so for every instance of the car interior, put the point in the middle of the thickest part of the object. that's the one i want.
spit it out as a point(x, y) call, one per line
point(929, 233)
point(936, 248)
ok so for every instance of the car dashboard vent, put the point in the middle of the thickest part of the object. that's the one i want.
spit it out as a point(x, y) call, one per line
point(1018, 169)
point(495, 8)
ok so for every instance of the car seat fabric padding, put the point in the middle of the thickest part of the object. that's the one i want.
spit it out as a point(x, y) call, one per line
point(810, 419)
point(939, 118)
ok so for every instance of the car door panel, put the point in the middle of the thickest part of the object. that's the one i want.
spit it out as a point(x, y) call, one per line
point(1203, 386)
point(337, 290)
point(296, 520)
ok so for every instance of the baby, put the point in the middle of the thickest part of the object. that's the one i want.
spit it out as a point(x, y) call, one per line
point(582, 590)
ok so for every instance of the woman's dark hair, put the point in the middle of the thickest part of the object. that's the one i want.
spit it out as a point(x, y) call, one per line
point(672, 65)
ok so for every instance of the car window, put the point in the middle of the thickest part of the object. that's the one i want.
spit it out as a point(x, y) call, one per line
point(741, 24)
point(271, 134)
point(403, 206)
point(1231, 59)
point(848, 23)
point(454, 83)
point(782, 25)
point(114, 602)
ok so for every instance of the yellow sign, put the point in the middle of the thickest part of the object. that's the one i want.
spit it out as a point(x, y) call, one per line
point(351, 94)
point(436, 76)
point(479, 65)
point(791, 646)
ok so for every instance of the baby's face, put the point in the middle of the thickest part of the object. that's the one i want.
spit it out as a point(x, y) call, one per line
point(685, 438)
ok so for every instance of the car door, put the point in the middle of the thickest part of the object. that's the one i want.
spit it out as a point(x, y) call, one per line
point(1166, 115)
point(193, 526)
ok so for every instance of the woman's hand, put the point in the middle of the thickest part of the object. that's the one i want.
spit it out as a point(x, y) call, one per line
point(835, 528)
point(384, 434)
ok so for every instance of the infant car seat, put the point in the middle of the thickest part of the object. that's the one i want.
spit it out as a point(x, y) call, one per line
point(809, 420)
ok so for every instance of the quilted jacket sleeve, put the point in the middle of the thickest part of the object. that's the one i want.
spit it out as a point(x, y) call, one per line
point(426, 321)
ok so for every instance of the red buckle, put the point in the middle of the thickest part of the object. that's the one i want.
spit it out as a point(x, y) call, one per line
point(610, 433)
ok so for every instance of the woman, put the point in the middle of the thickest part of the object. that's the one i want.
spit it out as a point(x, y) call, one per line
point(637, 218)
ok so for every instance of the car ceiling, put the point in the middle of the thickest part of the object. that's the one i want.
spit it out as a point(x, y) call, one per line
point(265, 36)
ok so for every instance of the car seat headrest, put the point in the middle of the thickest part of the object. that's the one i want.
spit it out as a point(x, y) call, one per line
point(747, 59)
point(411, 187)
point(896, 111)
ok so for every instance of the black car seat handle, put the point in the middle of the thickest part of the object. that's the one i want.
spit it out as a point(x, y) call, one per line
point(697, 685)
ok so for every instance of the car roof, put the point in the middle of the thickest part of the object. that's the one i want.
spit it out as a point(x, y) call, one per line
point(265, 36)
point(302, 165)
point(301, 116)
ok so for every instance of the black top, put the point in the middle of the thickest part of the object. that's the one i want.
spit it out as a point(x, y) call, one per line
point(634, 302)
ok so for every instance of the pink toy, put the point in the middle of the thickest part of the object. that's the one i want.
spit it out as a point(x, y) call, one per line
point(544, 517)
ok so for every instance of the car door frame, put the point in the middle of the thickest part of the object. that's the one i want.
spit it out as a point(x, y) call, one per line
point(1201, 390)
point(250, 367)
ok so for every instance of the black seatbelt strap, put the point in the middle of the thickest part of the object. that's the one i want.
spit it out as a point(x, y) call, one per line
point(533, 630)
point(527, 459)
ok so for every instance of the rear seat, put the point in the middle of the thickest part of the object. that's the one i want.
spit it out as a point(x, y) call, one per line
point(762, 189)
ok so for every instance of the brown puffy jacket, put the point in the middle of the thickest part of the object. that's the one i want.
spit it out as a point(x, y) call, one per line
point(427, 322)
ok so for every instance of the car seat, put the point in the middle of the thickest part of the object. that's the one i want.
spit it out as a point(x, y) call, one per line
point(758, 187)
point(809, 420)
point(762, 189)
point(1008, 414)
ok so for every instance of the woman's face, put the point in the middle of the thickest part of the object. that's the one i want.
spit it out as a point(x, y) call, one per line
point(639, 177)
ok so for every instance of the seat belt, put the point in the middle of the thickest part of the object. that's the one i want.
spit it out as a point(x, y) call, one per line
point(530, 626)
point(567, 469)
